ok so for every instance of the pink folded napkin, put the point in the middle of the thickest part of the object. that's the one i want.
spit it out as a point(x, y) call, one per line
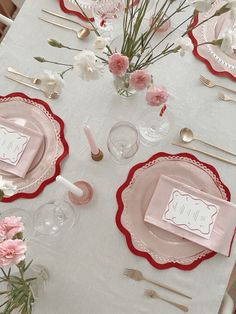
point(18, 147)
point(192, 214)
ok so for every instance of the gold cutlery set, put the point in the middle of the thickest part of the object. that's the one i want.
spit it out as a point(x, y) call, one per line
point(81, 34)
point(138, 276)
point(35, 83)
point(221, 96)
point(186, 137)
point(186, 134)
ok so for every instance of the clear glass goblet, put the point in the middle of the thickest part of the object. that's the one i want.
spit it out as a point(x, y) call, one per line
point(123, 141)
point(105, 12)
point(54, 218)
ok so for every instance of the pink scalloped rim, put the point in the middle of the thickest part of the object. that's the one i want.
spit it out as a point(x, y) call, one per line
point(68, 11)
point(204, 60)
point(59, 159)
point(127, 234)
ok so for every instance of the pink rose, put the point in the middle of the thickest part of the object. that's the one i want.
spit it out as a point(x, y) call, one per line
point(9, 227)
point(12, 252)
point(118, 64)
point(163, 28)
point(140, 79)
point(156, 95)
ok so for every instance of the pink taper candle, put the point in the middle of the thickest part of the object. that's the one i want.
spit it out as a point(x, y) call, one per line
point(89, 135)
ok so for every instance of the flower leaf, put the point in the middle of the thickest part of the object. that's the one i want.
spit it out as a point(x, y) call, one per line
point(40, 59)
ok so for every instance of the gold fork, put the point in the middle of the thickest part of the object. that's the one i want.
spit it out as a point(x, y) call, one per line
point(225, 97)
point(138, 276)
point(153, 294)
point(211, 84)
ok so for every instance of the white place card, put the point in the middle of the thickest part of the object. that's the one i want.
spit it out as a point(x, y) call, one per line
point(12, 145)
point(191, 213)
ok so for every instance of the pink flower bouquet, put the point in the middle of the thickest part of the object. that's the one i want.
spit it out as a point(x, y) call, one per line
point(12, 254)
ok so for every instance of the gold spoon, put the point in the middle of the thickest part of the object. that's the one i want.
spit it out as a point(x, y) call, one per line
point(187, 136)
point(81, 34)
point(34, 80)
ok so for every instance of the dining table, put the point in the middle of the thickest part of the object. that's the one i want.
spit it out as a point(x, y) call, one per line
point(86, 264)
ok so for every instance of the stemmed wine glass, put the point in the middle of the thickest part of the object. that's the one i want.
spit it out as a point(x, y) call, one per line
point(54, 218)
point(105, 12)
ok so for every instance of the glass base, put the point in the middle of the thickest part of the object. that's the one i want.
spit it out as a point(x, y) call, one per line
point(152, 127)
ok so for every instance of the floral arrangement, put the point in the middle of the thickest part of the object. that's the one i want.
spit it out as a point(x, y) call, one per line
point(130, 64)
point(18, 291)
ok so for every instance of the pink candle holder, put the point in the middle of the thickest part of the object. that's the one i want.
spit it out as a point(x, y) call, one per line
point(87, 193)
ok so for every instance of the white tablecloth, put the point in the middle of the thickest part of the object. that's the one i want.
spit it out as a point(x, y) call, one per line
point(86, 266)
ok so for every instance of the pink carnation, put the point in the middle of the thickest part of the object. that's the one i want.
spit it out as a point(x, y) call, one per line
point(12, 252)
point(163, 28)
point(156, 96)
point(140, 79)
point(9, 227)
point(118, 64)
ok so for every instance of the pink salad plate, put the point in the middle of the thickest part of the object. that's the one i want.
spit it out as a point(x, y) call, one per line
point(217, 61)
point(70, 7)
point(163, 249)
point(35, 114)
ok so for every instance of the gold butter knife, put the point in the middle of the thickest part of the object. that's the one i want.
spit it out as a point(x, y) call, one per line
point(205, 153)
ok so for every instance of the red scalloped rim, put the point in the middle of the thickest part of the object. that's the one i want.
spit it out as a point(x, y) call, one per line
point(80, 15)
point(204, 60)
point(128, 235)
point(58, 161)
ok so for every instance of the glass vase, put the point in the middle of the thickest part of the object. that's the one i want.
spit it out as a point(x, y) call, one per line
point(123, 87)
point(35, 278)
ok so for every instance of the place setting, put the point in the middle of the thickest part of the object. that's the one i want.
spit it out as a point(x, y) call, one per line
point(33, 145)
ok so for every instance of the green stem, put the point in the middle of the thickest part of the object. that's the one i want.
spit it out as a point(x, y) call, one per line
point(67, 70)
point(94, 28)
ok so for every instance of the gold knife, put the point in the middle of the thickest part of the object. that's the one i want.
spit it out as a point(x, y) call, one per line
point(67, 19)
point(205, 153)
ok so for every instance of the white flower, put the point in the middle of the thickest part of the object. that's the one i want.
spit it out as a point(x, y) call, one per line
point(7, 187)
point(52, 82)
point(232, 5)
point(185, 45)
point(202, 5)
point(100, 43)
point(229, 42)
point(87, 65)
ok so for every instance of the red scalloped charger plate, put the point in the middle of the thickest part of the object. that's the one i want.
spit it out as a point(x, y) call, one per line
point(202, 170)
point(204, 60)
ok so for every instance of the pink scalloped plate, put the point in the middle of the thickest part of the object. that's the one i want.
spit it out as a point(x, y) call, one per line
point(162, 249)
point(218, 62)
point(70, 7)
point(36, 114)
